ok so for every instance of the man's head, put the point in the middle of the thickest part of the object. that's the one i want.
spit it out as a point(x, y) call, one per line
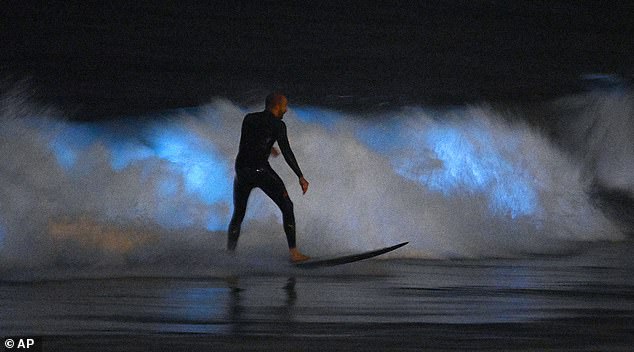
point(276, 104)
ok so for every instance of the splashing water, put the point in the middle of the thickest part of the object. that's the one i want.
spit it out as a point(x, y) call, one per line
point(461, 182)
point(191, 165)
point(451, 158)
point(598, 128)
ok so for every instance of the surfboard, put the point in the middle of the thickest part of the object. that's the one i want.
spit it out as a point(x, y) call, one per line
point(322, 262)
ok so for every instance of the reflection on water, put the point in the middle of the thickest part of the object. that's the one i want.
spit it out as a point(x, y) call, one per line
point(586, 295)
point(246, 314)
point(432, 293)
point(137, 305)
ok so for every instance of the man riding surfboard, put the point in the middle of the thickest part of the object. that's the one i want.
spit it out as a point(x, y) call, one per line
point(259, 132)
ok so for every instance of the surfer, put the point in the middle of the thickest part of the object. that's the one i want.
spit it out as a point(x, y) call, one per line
point(260, 131)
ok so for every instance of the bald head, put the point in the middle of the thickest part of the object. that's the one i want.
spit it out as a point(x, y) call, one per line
point(276, 104)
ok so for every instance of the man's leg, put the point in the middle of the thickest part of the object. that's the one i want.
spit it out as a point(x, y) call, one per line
point(241, 193)
point(273, 186)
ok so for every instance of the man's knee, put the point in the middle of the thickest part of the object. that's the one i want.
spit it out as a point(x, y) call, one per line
point(287, 200)
point(237, 218)
point(286, 203)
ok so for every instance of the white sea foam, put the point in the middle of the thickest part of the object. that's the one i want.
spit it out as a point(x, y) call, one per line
point(598, 128)
point(463, 182)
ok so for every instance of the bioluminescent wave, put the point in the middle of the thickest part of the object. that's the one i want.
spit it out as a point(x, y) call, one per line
point(458, 183)
point(465, 157)
point(190, 164)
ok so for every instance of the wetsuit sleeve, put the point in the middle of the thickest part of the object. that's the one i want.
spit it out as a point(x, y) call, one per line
point(282, 141)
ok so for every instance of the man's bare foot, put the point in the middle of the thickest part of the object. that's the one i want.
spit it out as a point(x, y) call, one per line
point(297, 256)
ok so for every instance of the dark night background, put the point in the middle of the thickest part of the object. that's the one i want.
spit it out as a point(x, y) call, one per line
point(100, 59)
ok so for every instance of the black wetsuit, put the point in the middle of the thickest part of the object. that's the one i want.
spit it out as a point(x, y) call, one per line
point(259, 132)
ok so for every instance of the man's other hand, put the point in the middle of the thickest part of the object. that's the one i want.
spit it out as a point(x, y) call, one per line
point(304, 184)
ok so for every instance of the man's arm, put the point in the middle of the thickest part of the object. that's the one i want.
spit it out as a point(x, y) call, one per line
point(282, 141)
point(285, 146)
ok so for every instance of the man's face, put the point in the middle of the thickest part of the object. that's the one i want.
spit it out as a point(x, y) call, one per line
point(283, 107)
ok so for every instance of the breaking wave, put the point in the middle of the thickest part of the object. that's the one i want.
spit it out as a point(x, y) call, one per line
point(463, 182)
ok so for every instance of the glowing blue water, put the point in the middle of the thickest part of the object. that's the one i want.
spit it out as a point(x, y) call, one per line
point(71, 141)
point(448, 159)
point(325, 118)
point(195, 165)
point(198, 304)
point(379, 177)
point(126, 152)
point(451, 159)
point(207, 175)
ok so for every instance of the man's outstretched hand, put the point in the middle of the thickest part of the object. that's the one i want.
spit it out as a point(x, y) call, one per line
point(304, 184)
point(275, 152)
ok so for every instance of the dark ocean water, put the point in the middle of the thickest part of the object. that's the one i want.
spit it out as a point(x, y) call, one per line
point(582, 302)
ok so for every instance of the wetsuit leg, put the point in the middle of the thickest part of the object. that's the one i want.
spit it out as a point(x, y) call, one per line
point(241, 190)
point(273, 186)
